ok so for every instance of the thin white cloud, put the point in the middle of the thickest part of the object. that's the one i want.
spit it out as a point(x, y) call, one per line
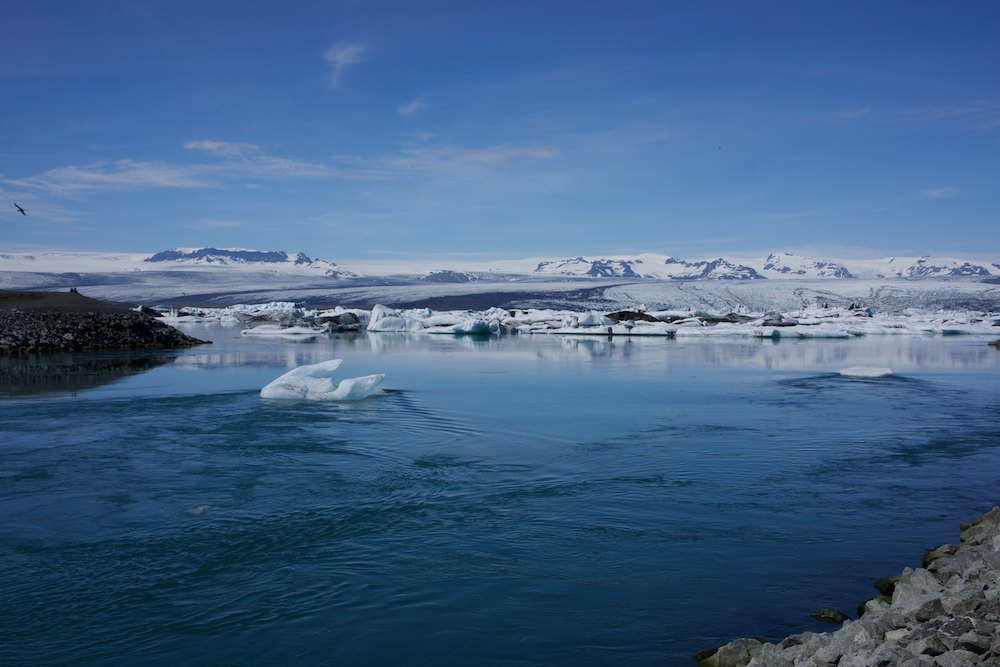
point(250, 160)
point(340, 57)
point(849, 115)
point(981, 114)
point(117, 175)
point(411, 107)
point(236, 162)
point(223, 148)
point(437, 158)
point(244, 164)
point(940, 193)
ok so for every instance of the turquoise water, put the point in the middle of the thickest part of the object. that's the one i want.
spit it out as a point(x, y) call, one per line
point(523, 501)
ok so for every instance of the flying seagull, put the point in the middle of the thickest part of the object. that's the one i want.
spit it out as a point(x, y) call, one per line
point(20, 210)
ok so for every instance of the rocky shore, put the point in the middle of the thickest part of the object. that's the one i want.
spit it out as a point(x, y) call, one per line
point(944, 614)
point(42, 322)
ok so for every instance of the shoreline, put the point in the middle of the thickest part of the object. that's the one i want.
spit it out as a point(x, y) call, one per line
point(943, 614)
point(45, 322)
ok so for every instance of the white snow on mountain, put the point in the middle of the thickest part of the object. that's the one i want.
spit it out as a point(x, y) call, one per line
point(783, 265)
point(239, 257)
point(788, 265)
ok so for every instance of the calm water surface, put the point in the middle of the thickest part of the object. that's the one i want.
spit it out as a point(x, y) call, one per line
point(524, 501)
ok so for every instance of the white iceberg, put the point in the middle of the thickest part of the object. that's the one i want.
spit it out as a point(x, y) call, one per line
point(865, 372)
point(315, 382)
point(283, 332)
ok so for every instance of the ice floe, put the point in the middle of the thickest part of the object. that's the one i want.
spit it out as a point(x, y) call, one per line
point(865, 372)
point(315, 382)
point(276, 330)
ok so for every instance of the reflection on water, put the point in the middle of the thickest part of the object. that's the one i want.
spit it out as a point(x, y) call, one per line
point(897, 352)
point(71, 373)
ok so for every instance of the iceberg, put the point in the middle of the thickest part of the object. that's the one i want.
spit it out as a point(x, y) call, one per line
point(315, 382)
point(282, 332)
point(865, 372)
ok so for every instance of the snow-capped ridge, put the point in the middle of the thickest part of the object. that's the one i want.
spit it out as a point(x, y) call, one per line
point(785, 265)
point(246, 258)
point(648, 266)
point(594, 268)
point(782, 265)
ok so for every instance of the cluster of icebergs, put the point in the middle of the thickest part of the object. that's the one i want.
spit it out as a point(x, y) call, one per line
point(286, 319)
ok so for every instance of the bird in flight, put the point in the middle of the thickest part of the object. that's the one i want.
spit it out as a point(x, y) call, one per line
point(20, 210)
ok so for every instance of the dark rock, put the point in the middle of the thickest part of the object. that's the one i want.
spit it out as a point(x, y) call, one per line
point(943, 551)
point(776, 319)
point(736, 653)
point(974, 643)
point(831, 616)
point(929, 646)
point(928, 610)
point(880, 599)
point(730, 318)
point(957, 658)
point(886, 585)
point(630, 316)
point(341, 322)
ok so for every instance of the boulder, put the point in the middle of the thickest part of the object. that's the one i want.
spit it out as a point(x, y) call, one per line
point(831, 616)
point(737, 653)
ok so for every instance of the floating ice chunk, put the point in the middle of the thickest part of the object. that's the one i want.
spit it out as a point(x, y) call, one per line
point(278, 330)
point(315, 382)
point(394, 323)
point(865, 372)
point(476, 326)
point(592, 318)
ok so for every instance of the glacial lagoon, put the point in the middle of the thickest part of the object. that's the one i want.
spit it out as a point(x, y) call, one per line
point(505, 501)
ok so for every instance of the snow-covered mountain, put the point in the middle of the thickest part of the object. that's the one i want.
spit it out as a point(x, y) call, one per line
point(661, 267)
point(650, 266)
point(787, 265)
point(926, 268)
point(782, 265)
point(594, 268)
point(253, 259)
point(449, 276)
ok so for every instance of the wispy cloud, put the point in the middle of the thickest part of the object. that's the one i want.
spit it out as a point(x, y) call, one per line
point(434, 158)
point(940, 193)
point(224, 164)
point(117, 175)
point(848, 115)
point(411, 107)
point(979, 114)
point(233, 162)
point(340, 57)
point(223, 148)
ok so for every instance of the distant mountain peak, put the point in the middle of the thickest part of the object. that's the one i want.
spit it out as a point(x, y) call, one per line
point(247, 258)
point(790, 264)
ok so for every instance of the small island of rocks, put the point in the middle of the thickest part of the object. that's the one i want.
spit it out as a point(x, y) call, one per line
point(42, 322)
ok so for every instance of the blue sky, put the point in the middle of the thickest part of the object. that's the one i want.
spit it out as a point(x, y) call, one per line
point(370, 129)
